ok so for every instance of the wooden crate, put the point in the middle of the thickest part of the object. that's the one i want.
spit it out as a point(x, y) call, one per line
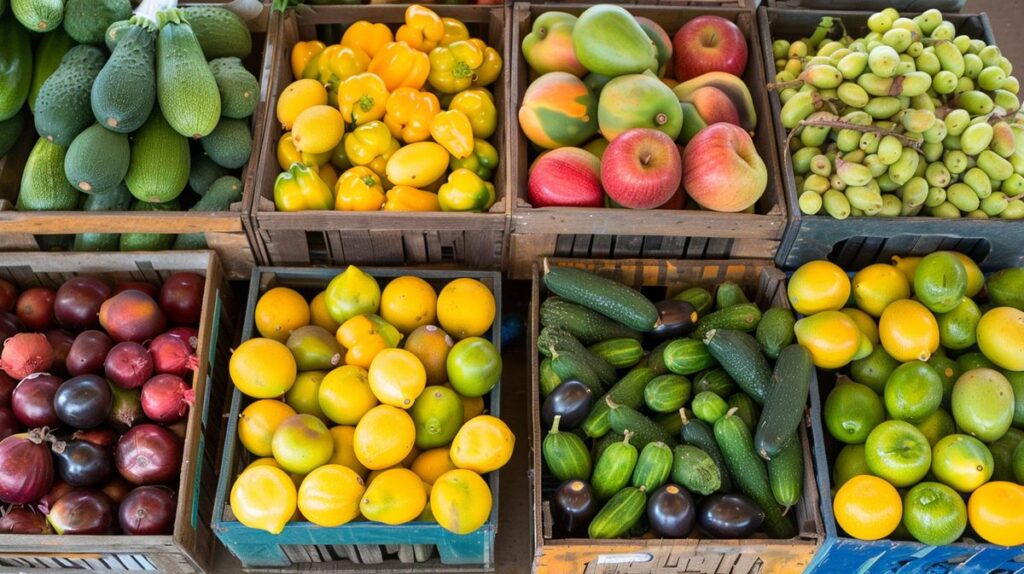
point(225, 231)
point(742, 4)
point(472, 240)
point(659, 279)
point(190, 548)
point(859, 241)
point(306, 546)
point(612, 233)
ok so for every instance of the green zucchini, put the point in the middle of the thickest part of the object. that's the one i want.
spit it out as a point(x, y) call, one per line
point(125, 90)
point(628, 391)
point(225, 191)
point(644, 430)
point(38, 15)
point(220, 32)
point(715, 380)
point(548, 379)
point(48, 55)
point(695, 470)
point(149, 241)
point(749, 473)
point(554, 341)
point(700, 434)
point(203, 172)
point(610, 298)
point(746, 409)
point(699, 297)
point(784, 405)
point(160, 161)
point(667, 393)
point(43, 185)
point(653, 466)
point(740, 356)
point(709, 407)
point(229, 145)
point(565, 454)
point(728, 295)
point(743, 317)
point(786, 473)
point(62, 106)
point(619, 515)
point(117, 199)
point(571, 367)
point(114, 33)
point(185, 86)
point(687, 356)
point(585, 324)
point(775, 331)
point(620, 353)
point(614, 468)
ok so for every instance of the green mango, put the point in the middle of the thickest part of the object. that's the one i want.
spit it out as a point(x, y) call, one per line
point(608, 40)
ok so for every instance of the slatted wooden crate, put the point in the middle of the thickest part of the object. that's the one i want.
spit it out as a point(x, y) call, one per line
point(859, 241)
point(412, 547)
point(190, 548)
point(660, 279)
point(473, 240)
point(620, 233)
point(225, 231)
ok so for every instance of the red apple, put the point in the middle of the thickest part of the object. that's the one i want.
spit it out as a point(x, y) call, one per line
point(641, 168)
point(721, 169)
point(567, 176)
point(708, 44)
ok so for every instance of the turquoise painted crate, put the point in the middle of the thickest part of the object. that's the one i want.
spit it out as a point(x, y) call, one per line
point(357, 545)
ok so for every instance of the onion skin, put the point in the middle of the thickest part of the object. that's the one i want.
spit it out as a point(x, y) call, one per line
point(26, 467)
point(173, 355)
point(32, 400)
point(23, 520)
point(149, 454)
point(82, 511)
point(88, 353)
point(59, 489)
point(26, 353)
point(105, 437)
point(148, 510)
point(181, 298)
point(166, 398)
point(128, 365)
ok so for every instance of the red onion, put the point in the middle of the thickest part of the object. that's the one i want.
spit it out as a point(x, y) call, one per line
point(82, 511)
point(189, 334)
point(10, 325)
point(26, 467)
point(148, 510)
point(149, 454)
point(166, 398)
point(59, 489)
point(35, 308)
point(32, 400)
point(26, 353)
point(173, 355)
point(181, 297)
point(100, 436)
point(144, 286)
point(23, 520)
point(128, 365)
point(78, 301)
point(8, 295)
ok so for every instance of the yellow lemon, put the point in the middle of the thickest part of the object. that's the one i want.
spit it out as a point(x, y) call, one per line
point(271, 461)
point(408, 302)
point(864, 322)
point(908, 331)
point(257, 423)
point(383, 437)
point(396, 496)
point(263, 497)
point(319, 316)
point(460, 501)
point(418, 164)
point(263, 368)
point(397, 377)
point(297, 97)
point(483, 444)
point(431, 464)
point(818, 286)
point(875, 286)
point(279, 312)
point(465, 308)
point(345, 395)
point(344, 453)
point(318, 129)
point(330, 495)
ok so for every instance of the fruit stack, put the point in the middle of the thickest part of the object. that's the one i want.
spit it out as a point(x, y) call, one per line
point(928, 401)
point(662, 417)
point(95, 390)
point(631, 117)
point(369, 403)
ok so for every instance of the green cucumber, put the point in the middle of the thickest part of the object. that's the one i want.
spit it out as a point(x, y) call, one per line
point(565, 454)
point(601, 444)
point(62, 106)
point(749, 473)
point(220, 32)
point(775, 331)
point(43, 185)
point(667, 393)
point(614, 468)
point(185, 86)
point(656, 358)
point(670, 422)
point(97, 160)
point(687, 356)
point(786, 473)
point(715, 380)
point(700, 434)
point(740, 356)
point(239, 89)
point(699, 297)
point(548, 379)
point(644, 430)
point(585, 324)
point(628, 391)
point(785, 403)
point(48, 55)
point(709, 407)
point(695, 470)
point(728, 295)
point(653, 466)
point(554, 341)
point(125, 90)
point(746, 409)
point(620, 353)
point(610, 298)
point(571, 367)
point(160, 161)
point(620, 513)
point(743, 317)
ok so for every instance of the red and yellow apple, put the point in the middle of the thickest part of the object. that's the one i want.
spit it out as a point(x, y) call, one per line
point(708, 44)
point(567, 176)
point(722, 170)
point(548, 46)
point(641, 168)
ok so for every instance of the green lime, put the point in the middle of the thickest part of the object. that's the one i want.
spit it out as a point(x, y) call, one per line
point(940, 281)
point(874, 369)
point(851, 411)
point(913, 391)
point(958, 328)
point(974, 360)
point(849, 463)
point(938, 425)
point(437, 414)
point(898, 452)
point(1002, 454)
point(1017, 382)
point(934, 513)
point(948, 370)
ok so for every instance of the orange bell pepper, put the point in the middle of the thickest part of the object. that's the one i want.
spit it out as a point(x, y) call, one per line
point(348, 61)
point(423, 28)
point(368, 37)
point(400, 65)
point(362, 98)
point(478, 105)
point(408, 198)
point(301, 189)
point(453, 130)
point(302, 53)
point(409, 113)
point(454, 30)
point(359, 189)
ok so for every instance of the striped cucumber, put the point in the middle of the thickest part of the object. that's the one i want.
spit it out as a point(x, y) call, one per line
point(687, 356)
point(653, 466)
point(619, 515)
point(628, 391)
point(624, 418)
point(620, 353)
point(609, 298)
point(614, 467)
point(695, 470)
point(667, 393)
point(786, 473)
point(565, 454)
point(743, 317)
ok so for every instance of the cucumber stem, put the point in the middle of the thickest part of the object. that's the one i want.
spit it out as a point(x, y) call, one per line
point(554, 424)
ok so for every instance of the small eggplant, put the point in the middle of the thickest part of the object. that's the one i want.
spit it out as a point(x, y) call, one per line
point(572, 400)
point(675, 319)
point(573, 506)
point(671, 512)
point(729, 516)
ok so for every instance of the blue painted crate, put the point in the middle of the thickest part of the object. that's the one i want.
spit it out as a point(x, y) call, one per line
point(355, 542)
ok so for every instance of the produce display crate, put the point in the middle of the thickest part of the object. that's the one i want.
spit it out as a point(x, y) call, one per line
point(910, 5)
point(764, 285)
point(859, 241)
point(744, 4)
point(472, 240)
point(226, 231)
point(191, 547)
point(612, 233)
point(358, 545)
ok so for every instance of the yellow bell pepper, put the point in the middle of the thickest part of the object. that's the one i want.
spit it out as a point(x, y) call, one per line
point(409, 113)
point(465, 191)
point(452, 67)
point(287, 154)
point(371, 145)
point(362, 98)
point(359, 189)
point(408, 198)
point(483, 161)
point(301, 189)
point(338, 157)
point(348, 61)
point(319, 66)
point(302, 53)
point(478, 105)
point(368, 37)
point(454, 30)
point(453, 130)
point(423, 28)
point(329, 175)
point(487, 73)
point(400, 65)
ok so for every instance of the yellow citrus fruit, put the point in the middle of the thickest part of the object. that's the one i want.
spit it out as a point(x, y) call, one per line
point(352, 292)
point(875, 286)
point(345, 395)
point(302, 443)
point(864, 322)
point(375, 473)
point(818, 286)
point(397, 377)
point(431, 346)
point(908, 331)
point(483, 444)
point(344, 453)
point(831, 337)
point(318, 129)
point(1001, 337)
point(304, 394)
point(396, 496)
point(460, 501)
point(407, 303)
point(271, 461)
point(330, 495)
point(471, 407)
point(409, 458)
point(263, 497)
point(465, 308)
point(297, 97)
point(907, 266)
point(257, 423)
point(431, 464)
point(319, 316)
point(383, 437)
point(975, 278)
point(867, 507)
point(279, 312)
point(994, 512)
point(262, 368)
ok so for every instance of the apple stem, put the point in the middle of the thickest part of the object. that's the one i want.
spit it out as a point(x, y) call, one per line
point(839, 124)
